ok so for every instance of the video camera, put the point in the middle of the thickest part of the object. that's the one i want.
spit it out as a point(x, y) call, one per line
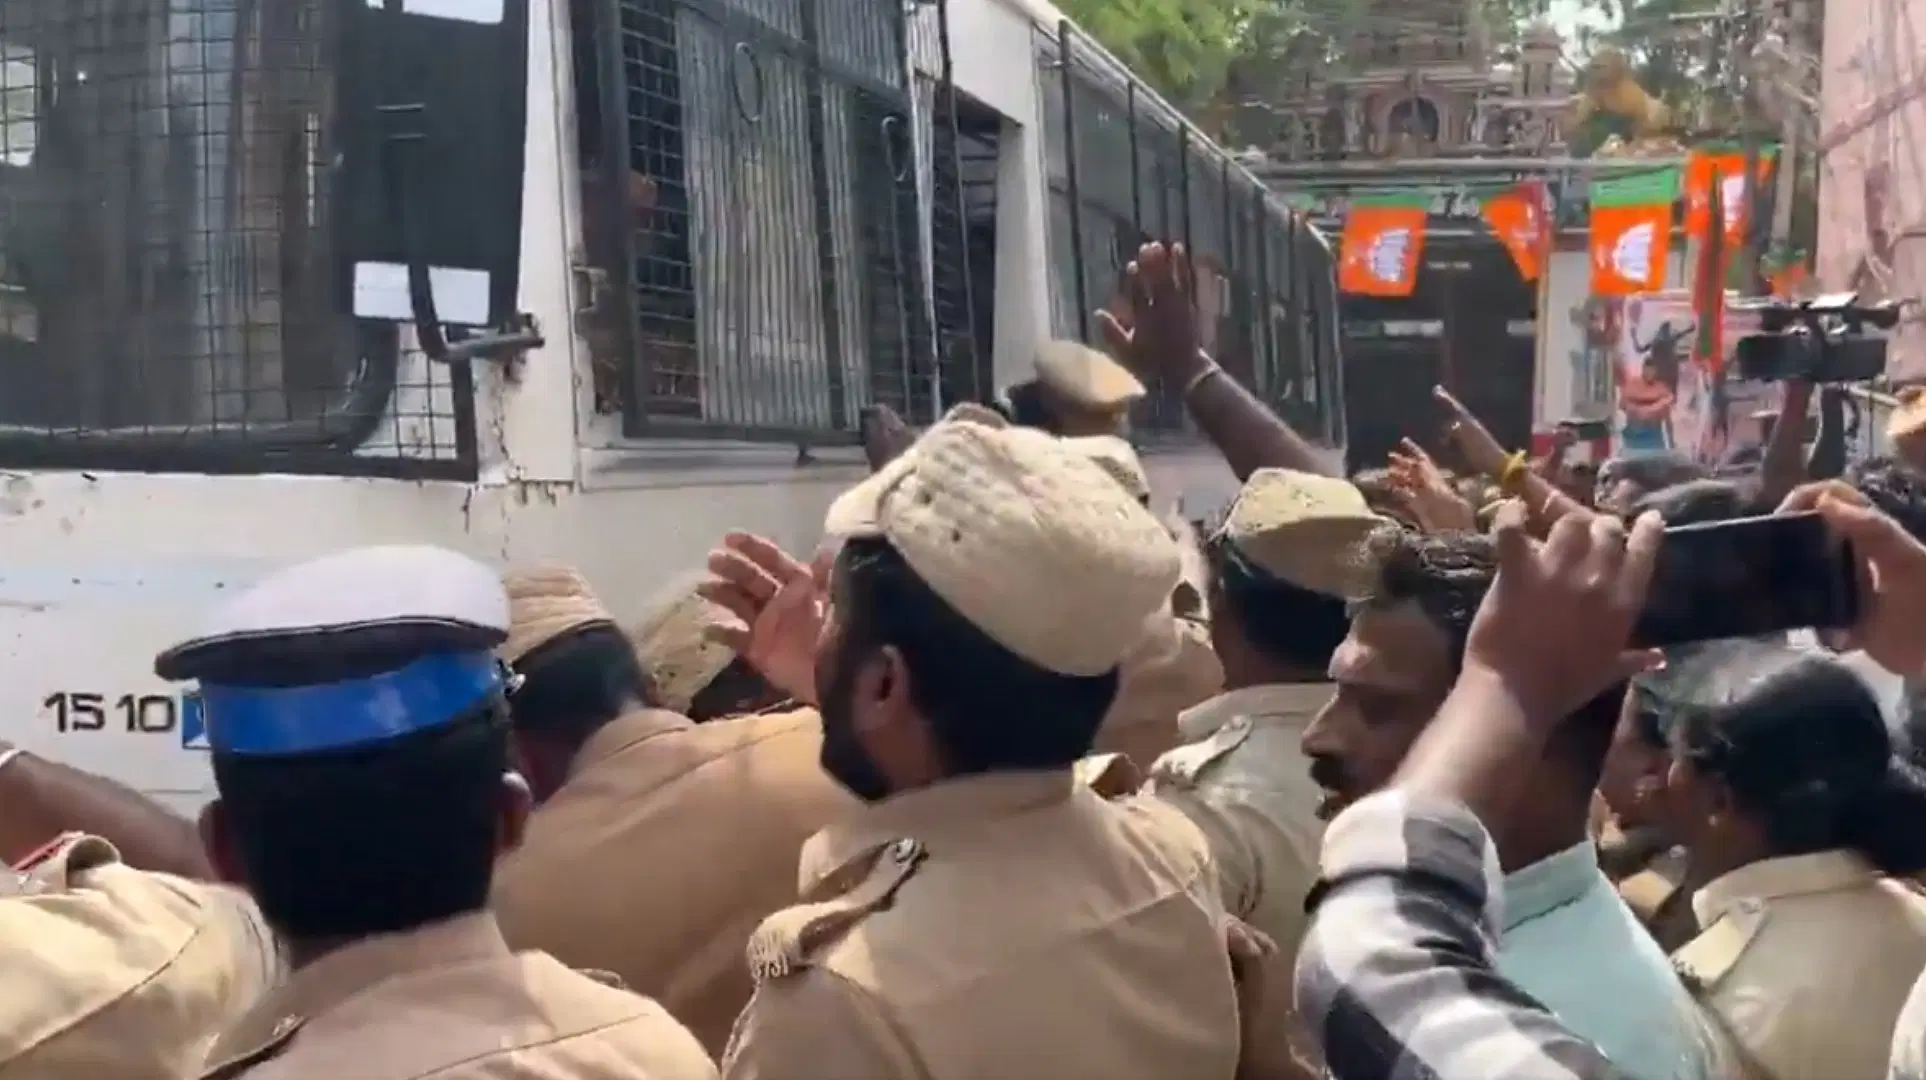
point(1822, 340)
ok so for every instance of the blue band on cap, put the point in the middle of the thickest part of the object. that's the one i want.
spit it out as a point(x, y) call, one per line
point(426, 694)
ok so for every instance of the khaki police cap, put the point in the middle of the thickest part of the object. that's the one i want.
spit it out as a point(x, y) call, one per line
point(1115, 456)
point(851, 513)
point(545, 603)
point(1086, 376)
point(1030, 541)
point(1909, 416)
point(1301, 528)
point(673, 645)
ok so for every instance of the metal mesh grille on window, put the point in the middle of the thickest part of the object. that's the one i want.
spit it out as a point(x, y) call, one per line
point(165, 269)
point(1141, 173)
point(779, 274)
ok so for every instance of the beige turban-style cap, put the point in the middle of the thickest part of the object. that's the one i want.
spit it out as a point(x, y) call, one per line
point(1086, 376)
point(544, 603)
point(1302, 528)
point(1032, 542)
point(673, 645)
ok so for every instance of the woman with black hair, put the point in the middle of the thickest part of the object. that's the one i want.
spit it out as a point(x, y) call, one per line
point(1787, 788)
point(1639, 849)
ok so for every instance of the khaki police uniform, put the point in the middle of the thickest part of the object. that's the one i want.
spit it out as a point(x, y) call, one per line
point(1807, 960)
point(451, 1001)
point(1909, 1036)
point(447, 999)
point(1174, 666)
point(1170, 669)
point(1006, 924)
point(720, 809)
point(117, 972)
point(688, 836)
point(1242, 778)
point(1241, 774)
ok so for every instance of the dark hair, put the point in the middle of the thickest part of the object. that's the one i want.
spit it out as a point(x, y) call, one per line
point(574, 684)
point(1288, 624)
point(738, 688)
point(1447, 575)
point(1027, 406)
point(989, 709)
point(1696, 502)
point(1650, 472)
point(1657, 695)
point(373, 840)
point(1799, 740)
point(1894, 487)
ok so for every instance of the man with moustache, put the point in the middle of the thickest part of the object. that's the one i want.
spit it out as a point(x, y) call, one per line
point(1276, 580)
point(984, 915)
point(1567, 941)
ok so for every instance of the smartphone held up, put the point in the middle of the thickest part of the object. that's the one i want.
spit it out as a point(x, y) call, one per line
point(1747, 577)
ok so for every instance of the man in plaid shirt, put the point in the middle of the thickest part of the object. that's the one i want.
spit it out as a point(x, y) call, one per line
point(1395, 978)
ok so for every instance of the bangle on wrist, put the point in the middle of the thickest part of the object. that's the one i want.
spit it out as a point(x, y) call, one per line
point(1202, 376)
point(1511, 478)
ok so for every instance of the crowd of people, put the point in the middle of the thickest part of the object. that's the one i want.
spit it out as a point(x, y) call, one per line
point(1013, 778)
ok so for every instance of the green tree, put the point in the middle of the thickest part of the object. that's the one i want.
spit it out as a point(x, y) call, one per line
point(1182, 48)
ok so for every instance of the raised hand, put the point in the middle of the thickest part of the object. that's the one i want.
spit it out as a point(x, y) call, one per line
point(782, 604)
point(1156, 332)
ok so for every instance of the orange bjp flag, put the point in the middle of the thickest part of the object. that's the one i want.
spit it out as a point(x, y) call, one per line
point(1521, 216)
point(1631, 222)
point(1383, 239)
point(1729, 167)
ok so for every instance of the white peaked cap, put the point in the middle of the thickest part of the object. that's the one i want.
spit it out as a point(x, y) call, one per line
point(365, 588)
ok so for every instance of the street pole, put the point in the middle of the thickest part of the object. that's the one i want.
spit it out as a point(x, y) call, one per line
point(1744, 70)
point(1786, 185)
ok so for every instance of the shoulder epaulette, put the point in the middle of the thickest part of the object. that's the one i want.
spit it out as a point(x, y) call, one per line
point(788, 939)
point(1707, 959)
point(239, 1062)
point(1110, 775)
point(1185, 764)
point(69, 854)
point(606, 978)
point(45, 851)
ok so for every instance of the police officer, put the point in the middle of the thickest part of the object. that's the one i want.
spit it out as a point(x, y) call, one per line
point(121, 972)
point(1077, 391)
point(1812, 936)
point(1173, 667)
point(689, 832)
point(360, 748)
point(985, 916)
point(1278, 574)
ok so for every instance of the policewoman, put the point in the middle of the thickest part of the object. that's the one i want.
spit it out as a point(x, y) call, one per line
point(355, 711)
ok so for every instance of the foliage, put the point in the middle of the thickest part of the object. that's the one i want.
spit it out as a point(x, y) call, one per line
point(1677, 53)
point(1182, 48)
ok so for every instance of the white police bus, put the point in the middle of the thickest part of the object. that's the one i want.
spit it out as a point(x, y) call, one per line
point(581, 280)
